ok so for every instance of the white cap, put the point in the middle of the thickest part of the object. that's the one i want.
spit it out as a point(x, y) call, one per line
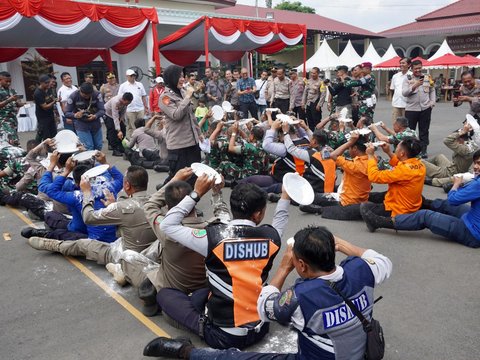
point(159, 80)
point(130, 72)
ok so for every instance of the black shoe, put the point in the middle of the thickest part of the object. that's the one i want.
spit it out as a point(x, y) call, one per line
point(148, 294)
point(374, 221)
point(230, 183)
point(447, 187)
point(294, 203)
point(117, 153)
point(28, 232)
point(272, 197)
point(424, 155)
point(426, 203)
point(174, 348)
point(427, 181)
point(312, 209)
point(161, 168)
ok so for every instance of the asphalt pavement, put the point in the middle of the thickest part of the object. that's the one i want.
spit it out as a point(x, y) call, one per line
point(53, 308)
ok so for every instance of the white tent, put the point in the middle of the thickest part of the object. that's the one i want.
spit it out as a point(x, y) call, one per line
point(324, 59)
point(371, 55)
point(442, 50)
point(389, 54)
point(349, 56)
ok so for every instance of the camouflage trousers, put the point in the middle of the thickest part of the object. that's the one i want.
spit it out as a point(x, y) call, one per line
point(9, 128)
point(366, 111)
point(231, 171)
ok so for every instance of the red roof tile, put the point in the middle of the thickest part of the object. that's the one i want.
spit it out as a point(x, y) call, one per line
point(312, 21)
point(462, 7)
point(461, 16)
point(439, 26)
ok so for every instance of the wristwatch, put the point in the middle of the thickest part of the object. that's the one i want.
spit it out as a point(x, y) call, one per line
point(194, 196)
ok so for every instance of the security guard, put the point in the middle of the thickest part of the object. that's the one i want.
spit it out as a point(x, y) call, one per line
point(238, 256)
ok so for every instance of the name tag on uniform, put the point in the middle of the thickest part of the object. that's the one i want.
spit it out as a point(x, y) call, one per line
point(341, 314)
point(246, 250)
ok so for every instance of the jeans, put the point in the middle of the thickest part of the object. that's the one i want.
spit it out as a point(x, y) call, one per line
point(246, 107)
point(444, 221)
point(189, 310)
point(422, 118)
point(91, 141)
point(212, 354)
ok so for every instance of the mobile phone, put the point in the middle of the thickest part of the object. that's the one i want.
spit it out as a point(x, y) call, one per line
point(421, 77)
point(19, 96)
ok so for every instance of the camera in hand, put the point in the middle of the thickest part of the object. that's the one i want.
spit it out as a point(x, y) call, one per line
point(421, 77)
point(455, 94)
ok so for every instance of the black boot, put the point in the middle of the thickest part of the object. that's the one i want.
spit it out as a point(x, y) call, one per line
point(427, 181)
point(426, 203)
point(374, 221)
point(312, 209)
point(148, 294)
point(161, 168)
point(28, 232)
point(179, 348)
point(447, 187)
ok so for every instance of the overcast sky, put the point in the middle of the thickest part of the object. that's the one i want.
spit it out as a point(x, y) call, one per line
point(373, 15)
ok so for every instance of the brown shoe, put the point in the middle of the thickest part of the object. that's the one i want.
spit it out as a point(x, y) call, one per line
point(40, 243)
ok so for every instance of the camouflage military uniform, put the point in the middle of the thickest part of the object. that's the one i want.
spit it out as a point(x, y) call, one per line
point(8, 116)
point(398, 137)
point(366, 90)
point(12, 161)
point(217, 152)
point(254, 162)
point(336, 139)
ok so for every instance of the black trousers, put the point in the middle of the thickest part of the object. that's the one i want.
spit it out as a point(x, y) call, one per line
point(28, 201)
point(46, 129)
point(180, 158)
point(112, 137)
point(313, 116)
point(58, 223)
point(422, 118)
point(282, 104)
point(188, 311)
point(246, 107)
point(300, 112)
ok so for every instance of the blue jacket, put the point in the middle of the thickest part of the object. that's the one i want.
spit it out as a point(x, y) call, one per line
point(470, 192)
point(73, 199)
point(45, 185)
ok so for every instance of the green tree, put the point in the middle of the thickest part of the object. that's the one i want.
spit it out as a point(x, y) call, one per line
point(268, 3)
point(295, 6)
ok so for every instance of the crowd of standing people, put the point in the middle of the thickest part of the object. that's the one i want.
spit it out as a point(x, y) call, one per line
point(212, 277)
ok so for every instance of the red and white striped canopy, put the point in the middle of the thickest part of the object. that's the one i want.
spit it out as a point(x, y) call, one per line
point(86, 30)
point(228, 39)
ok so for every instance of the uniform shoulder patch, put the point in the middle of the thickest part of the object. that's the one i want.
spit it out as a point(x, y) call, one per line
point(166, 100)
point(199, 233)
point(370, 261)
point(286, 298)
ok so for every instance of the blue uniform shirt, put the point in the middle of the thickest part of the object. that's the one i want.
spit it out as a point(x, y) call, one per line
point(470, 192)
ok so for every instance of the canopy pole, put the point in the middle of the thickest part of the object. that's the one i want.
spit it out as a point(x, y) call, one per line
point(207, 63)
point(156, 50)
point(305, 54)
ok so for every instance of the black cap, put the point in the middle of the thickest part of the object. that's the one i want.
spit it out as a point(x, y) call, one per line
point(342, 67)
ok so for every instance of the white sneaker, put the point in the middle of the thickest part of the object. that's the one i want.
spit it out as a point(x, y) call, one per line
point(117, 272)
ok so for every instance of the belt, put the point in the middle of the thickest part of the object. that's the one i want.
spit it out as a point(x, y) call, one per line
point(242, 331)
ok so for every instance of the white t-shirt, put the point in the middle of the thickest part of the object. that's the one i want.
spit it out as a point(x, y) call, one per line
point(137, 90)
point(258, 83)
point(64, 92)
point(398, 99)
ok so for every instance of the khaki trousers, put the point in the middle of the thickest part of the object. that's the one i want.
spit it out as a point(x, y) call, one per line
point(438, 169)
point(131, 117)
point(90, 249)
point(397, 112)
